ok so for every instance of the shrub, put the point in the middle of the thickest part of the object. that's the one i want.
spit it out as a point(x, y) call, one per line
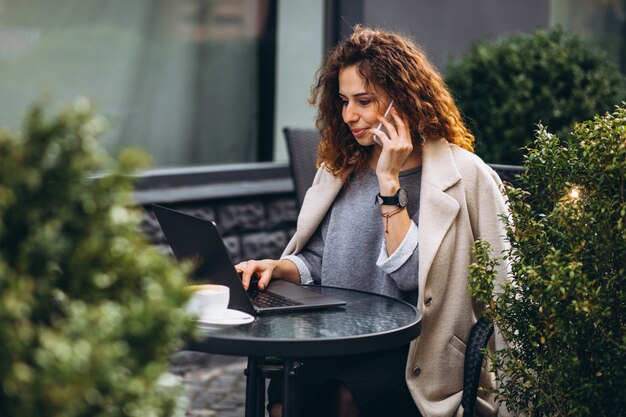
point(563, 312)
point(508, 86)
point(89, 310)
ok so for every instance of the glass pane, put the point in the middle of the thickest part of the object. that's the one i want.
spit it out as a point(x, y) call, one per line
point(602, 21)
point(178, 78)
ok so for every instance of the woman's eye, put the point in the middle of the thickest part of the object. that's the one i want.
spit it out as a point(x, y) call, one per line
point(364, 102)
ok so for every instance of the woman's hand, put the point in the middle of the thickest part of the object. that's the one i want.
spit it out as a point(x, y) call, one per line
point(262, 270)
point(396, 148)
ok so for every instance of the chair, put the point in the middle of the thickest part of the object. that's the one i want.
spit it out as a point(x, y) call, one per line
point(474, 355)
point(302, 148)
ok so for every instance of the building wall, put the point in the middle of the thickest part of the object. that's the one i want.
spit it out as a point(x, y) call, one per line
point(252, 227)
point(253, 205)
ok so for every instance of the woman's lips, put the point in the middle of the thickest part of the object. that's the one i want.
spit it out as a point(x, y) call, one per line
point(359, 132)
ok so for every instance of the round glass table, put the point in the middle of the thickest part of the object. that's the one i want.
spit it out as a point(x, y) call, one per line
point(366, 323)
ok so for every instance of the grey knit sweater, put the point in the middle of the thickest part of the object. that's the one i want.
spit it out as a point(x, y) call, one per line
point(348, 248)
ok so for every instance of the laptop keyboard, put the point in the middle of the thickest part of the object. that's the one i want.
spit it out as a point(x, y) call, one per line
point(265, 299)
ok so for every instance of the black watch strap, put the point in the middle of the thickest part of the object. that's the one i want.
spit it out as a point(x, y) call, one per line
point(401, 199)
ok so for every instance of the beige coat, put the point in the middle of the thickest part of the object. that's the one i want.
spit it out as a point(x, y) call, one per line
point(460, 201)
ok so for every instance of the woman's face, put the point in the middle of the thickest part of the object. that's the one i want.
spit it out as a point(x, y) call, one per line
point(360, 106)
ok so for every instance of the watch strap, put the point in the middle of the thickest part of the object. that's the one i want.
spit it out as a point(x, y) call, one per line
point(387, 200)
point(400, 199)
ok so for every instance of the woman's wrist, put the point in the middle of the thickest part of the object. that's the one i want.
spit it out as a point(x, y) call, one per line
point(388, 185)
point(286, 269)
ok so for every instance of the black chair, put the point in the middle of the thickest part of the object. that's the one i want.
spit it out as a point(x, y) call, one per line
point(302, 146)
point(507, 173)
point(474, 355)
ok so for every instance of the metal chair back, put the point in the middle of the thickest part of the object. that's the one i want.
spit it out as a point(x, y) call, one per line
point(302, 147)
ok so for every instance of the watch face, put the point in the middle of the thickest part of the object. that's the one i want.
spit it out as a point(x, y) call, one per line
point(403, 197)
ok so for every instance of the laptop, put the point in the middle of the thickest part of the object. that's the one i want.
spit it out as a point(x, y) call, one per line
point(191, 237)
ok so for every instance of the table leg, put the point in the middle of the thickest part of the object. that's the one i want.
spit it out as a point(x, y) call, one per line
point(289, 380)
point(252, 389)
point(260, 393)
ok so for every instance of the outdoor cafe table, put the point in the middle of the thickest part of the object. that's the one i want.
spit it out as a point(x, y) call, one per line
point(367, 323)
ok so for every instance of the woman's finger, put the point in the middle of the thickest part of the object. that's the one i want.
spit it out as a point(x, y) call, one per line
point(240, 267)
point(400, 125)
point(265, 278)
point(391, 129)
point(380, 134)
point(247, 270)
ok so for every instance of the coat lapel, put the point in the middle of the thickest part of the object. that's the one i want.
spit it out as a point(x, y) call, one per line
point(316, 204)
point(437, 209)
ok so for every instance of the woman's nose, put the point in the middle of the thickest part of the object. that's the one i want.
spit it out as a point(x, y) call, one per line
point(349, 115)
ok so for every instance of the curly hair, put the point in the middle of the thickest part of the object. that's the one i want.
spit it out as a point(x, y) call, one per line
point(396, 65)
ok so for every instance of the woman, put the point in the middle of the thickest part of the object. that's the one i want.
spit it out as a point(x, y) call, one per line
point(398, 218)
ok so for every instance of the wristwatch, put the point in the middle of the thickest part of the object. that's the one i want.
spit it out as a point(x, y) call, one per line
point(401, 199)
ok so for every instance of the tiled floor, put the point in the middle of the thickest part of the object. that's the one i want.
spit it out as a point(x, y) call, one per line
point(215, 385)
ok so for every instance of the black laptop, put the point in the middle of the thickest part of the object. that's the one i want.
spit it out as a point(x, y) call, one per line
point(194, 238)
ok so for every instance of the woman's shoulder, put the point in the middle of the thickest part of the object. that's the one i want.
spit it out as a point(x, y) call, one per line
point(323, 175)
point(471, 165)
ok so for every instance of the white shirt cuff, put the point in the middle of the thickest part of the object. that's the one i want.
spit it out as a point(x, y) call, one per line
point(407, 247)
point(303, 270)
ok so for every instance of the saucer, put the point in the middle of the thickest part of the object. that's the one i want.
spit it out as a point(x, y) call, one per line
point(229, 318)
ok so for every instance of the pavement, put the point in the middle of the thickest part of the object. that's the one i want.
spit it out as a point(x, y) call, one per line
point(215, 385)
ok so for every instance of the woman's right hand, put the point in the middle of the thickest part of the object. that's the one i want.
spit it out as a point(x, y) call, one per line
point(261, 270)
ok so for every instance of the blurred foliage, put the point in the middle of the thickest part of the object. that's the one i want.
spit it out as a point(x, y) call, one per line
point(89, 310)
point(563, 313)
point(506, 87)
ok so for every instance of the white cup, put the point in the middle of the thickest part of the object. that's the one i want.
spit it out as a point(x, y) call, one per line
point(209, 300)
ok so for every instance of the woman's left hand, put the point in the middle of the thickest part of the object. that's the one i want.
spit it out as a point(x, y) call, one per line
point(396, 146)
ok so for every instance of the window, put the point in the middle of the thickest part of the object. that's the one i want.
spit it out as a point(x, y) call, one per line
point(190, 81)
point(601, 21)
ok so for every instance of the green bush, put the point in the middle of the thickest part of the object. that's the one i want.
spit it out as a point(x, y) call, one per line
point(563, 313)
point(89, 310)
point(506, 87)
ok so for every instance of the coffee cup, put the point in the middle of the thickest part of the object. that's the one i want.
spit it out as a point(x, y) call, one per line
point(209, 300)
